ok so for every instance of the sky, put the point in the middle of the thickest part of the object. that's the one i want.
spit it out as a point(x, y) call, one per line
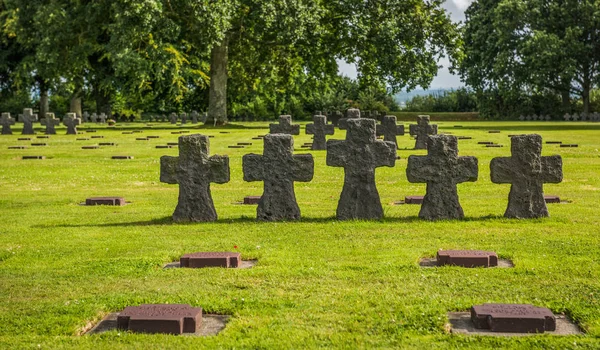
point(444, 79)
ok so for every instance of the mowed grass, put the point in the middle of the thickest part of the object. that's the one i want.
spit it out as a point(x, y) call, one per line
point(318, 282)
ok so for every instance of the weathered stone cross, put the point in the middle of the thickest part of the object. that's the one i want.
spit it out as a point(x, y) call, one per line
point(279, 169)
point(71, 121)
point(319, 129)
point(527, 171)
point(335, 117)
point(102, 118)
point(352, 113)
point(285, 126)
point(85, 117)
point(442, 169)
point(194, 170)
point(184, 118)
point(389, 129)
point(94, 118)
point(194, 116)
point(28, 119)
point(173, 118)
point(50, 122)
point(6, 121)
point(359, 155)
point(422, 130)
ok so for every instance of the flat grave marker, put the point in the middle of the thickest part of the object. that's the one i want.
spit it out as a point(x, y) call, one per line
point(90, 147)
point(211, 259)
point(33, 157)
point(39, 144)
point(160, 318)
point(513, 318)
point(110, 201)
point(122, 157)
point(564, 145)
point(17, 147)
point(467, 258)
point(251, 200)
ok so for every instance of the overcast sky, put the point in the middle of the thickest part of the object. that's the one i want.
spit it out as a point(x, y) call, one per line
point(444, 79)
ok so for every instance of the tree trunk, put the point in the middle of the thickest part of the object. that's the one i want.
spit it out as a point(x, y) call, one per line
point(586, 95)
point(566, 101)
point(44, 100)
point(76, 101)
point(217, 96)
point(103, 103)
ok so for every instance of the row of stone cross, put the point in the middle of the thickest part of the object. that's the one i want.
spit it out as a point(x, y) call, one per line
point(28, 118)
point(359, 154)
point(388, 128)
point(183, 118)
point(582, 117)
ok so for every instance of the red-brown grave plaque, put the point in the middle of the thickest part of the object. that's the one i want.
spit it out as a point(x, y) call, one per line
point(413, 199)
point(122, 157)
point(160, 318)
point(117, 201)
point(552, 199)
point(513, 318)
point(467, 258)
point(211, 259)
point(251, 200)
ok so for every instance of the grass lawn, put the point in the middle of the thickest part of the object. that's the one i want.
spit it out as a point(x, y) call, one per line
point(318, 282)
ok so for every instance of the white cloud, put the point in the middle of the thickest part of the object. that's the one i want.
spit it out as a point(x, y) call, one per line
point(462, 4)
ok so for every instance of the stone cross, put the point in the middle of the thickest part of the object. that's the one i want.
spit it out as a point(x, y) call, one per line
point(285, 126)
point(521, 117)
point(359, 155)
point(335, 117)
point(94, 118)
point(184, 118)
point(389, 129)
point(6, 121)
point(422, 130)
point(527, 171)
point(28, 118)
point(204, 117)
point(575, 117)
point(50, 122)
point(442, 169)
point(173, 118)
point(85, 117)
point(278, 168)
point(194, 170)
point(195, 116)
point(583, 117)
point(319, 129)
point(102, 118)
point(71, 121)
point(567, 117)
point(352, 113)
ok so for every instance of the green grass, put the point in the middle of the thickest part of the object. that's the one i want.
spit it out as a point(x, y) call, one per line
point(318, 282)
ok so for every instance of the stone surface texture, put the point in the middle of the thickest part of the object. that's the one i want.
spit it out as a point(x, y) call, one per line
point(360, 154)
point(160, 318)
point(467, 258)
point(211, 259)
point(319, 128)
point(6, 121)
point(390, 129)
point(422, 130)
point(194, 170)
point(527, 171)
point(514, 318)
point(28, 118)
point(285, 126)
point(352, 113)
point(335, 117)
point(442, 169)
point(71, 121)
point(50, 122)
point(278, 168)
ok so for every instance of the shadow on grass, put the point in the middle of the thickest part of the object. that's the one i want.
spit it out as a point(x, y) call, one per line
point(250, 220)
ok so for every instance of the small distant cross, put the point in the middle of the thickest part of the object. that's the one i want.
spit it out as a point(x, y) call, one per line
point(6, 121)
point(527, 171)
point(319, 129)
point(335, 117)
point(102, 118)
point(50, 122)
point(422, 130)
point(195, 116)
point(94, 118)
point(442, 169)
point(28, 118)
point(194, 170)
point(71, 121)
point(278, 168)
point(360, 154)
point(567, 117)
point(389, 129)
point(285, 126)
point(86, 117)
point(173, 118)
point(352, 113)
point(184, 118)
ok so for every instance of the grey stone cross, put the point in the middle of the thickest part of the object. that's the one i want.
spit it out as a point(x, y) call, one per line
point(71, 121)
point(422, 130)
point(94, 118)
point(335, 117)
point(173, 118)
point(389, 129)
point(567, 117)
point(278, 168)
point(527, 171)
point(184, 118)
point(352, 113)
point(85, 117)
point(102, 118)
point(28, 118)
point(285, 126)
point(50, 122)
point(442, 169)
point(319, 129)
point(194, 170)
point(359, 155)
point(194, 116)
point(6, 121)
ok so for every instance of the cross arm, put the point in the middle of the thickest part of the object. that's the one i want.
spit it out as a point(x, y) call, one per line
point(420, 169)
point(329, 129)
point(218, 168)
point(253, 167)
point(552, 169)
point(412, 129)
point(379, 129)
point(384, 153)
point(400, 130)
point(501, 170)
point(310, 129)
point(467, 170)
point(336, 153)
point(168, 169)
point(433, 128)
point(303, 167)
